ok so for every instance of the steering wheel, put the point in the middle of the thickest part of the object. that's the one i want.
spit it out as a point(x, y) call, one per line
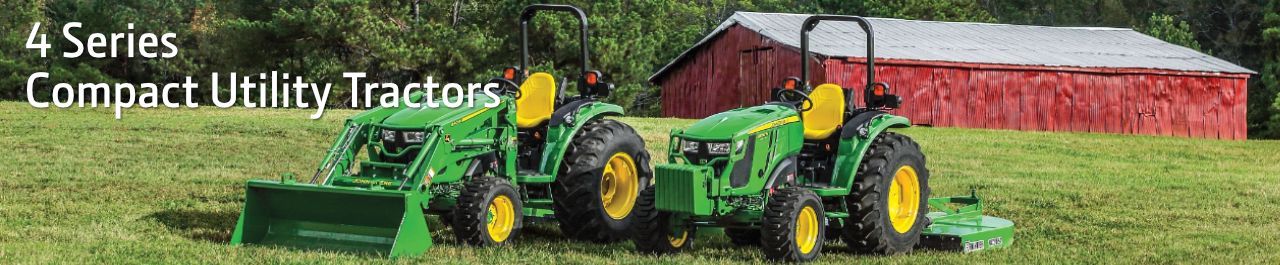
point(508, 87)
point(795, 97)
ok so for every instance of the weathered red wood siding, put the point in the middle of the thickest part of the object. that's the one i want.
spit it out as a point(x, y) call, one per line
point(708, 82)
point(739, 67)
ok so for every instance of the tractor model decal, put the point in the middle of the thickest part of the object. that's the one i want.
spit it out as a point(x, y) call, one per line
point(775, 123)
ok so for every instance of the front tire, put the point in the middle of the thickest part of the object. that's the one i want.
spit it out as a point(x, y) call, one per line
point(603, 171)
point(655, 231)
point(889, 203)
point(488, 213)
point(794, 225)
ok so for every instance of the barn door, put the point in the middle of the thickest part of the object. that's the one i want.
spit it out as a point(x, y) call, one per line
point(753, 74)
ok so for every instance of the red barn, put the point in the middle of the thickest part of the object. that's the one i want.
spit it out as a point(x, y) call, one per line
point(973, 75)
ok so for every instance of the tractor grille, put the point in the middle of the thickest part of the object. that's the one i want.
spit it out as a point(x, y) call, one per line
point(683, 188)
point(399, 142)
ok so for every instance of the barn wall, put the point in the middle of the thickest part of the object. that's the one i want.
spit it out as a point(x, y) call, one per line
point(1203, 106)
point(738, 68)
point(713, 79)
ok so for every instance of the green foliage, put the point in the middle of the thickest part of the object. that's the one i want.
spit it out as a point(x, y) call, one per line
point(1109, 13)
point(939, 10)
point(1166, 28)
point(1271, 67)
point(15, 62)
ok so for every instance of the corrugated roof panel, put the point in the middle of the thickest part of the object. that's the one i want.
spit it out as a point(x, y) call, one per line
point(982, 43)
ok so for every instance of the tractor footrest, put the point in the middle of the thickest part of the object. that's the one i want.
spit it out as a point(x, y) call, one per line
point(837, 214)
point(830, 191)
point(539, 178)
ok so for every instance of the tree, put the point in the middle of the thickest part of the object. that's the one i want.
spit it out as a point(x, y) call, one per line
point(1164, 27)
point(939, 10)
point(16, 62)
point(1271, 69)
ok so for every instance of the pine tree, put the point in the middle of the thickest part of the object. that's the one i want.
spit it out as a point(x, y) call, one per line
point(1271, 65)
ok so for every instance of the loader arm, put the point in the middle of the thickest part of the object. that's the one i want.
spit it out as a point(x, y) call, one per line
point(338, 155)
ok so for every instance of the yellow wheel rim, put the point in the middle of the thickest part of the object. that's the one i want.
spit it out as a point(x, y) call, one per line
point(619, 185)
point(806, 229)
point(502, 218)
point(677, 242)
point(904, 199)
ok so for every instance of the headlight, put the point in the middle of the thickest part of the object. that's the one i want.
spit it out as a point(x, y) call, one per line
point(689, 146)
point(718, 148)
point(388, 136)
point(413, 137)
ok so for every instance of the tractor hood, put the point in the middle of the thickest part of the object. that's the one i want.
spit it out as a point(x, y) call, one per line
point(412, 118)
point(728, 124)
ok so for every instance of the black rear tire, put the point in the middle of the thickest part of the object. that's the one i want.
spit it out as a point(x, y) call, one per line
point(652, 231)
point(868, 229)
point(782, 222)
point(578, 204)
point(471, 215)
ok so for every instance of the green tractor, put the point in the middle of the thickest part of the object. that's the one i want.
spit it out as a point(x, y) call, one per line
point(806, 168)
point(535, 154)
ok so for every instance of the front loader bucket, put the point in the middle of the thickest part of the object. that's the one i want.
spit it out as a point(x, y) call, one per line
point(334, 218)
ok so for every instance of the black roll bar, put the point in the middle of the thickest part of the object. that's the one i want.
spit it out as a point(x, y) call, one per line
point(812, 22)
point(528, 14)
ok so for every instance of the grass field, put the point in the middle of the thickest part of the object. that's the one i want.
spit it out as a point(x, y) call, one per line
point(166, 186)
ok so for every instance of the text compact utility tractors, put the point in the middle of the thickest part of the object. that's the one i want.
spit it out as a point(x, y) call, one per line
point(536, 154)
point(809, 166)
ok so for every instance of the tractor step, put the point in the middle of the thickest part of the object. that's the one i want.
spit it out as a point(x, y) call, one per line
point(534, 178)
point(538, 203)
point(830, 191)
point(539, 212)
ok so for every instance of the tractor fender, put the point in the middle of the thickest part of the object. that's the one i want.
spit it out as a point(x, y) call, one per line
point(784, 173)
point(856, 138)
point(480, 164)
point(565, 123)
point(858, 125)
point(565, 114)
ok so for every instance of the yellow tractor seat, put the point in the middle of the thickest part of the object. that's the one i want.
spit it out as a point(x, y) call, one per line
point(537, 100)
point(826, 114)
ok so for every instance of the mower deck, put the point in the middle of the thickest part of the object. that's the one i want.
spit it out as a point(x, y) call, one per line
point(964, 228)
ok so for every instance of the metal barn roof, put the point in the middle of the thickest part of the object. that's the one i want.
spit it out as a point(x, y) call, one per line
point(978, 43)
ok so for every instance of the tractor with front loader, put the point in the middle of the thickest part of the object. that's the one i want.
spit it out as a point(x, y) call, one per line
point(805, 168)
point(536, 154)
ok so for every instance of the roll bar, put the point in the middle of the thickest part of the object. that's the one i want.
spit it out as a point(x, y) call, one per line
point(528, 14)
point(812, 22)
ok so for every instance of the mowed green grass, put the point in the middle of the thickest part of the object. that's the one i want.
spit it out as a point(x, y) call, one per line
point(166, 186)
